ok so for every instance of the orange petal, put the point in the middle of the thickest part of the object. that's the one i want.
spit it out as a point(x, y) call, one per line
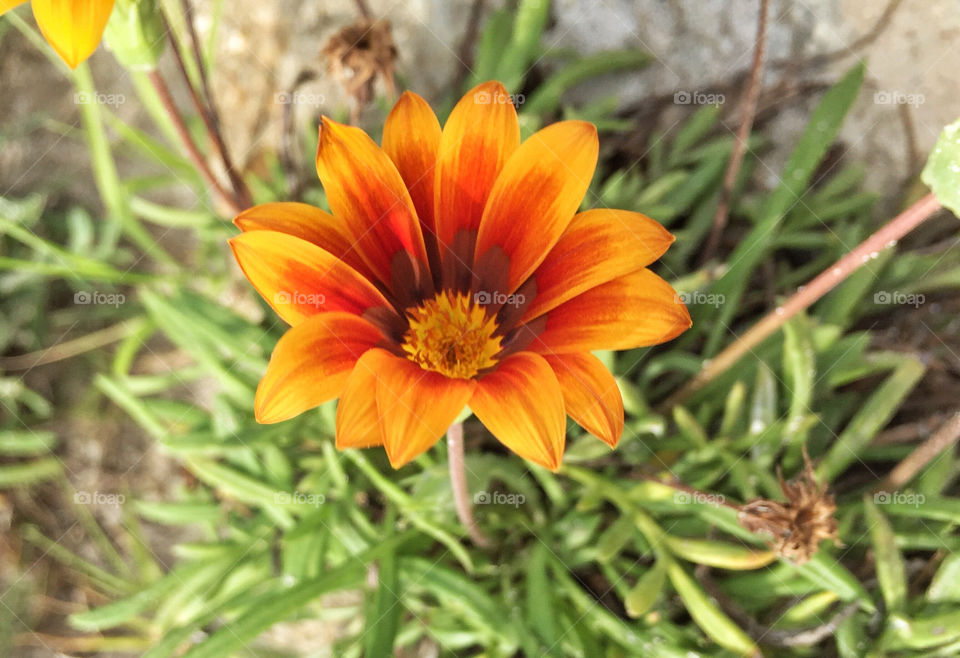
point(73, 27)
point(634, 310)
point(416, 406)
point(536, 196)
point(481, 133)
point(590, 394)
point(306, 222)
point(310, 364)
point(521, 403)
point(358, 422)
point(411, 138)
point(598, 246)
point(299, 279)
point(366, 192)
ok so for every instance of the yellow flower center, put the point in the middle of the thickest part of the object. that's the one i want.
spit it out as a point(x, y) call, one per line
point(451, 335)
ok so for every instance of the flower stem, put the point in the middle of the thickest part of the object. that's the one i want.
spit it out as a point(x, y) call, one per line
point(458, 480)
point(207, 111)
point(750, 97)
point(824, 282)
point(166, 98)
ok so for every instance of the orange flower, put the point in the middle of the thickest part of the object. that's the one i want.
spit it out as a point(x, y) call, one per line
point(72, 27)
point(455, 270)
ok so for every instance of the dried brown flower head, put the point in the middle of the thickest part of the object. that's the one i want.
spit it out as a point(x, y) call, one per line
point(799, 525)
point(360, 53)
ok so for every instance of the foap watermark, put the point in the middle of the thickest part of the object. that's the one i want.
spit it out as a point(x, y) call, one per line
point(97, 298)
point(299, 498)
point(98, 98)
point(486, 298)
point(698, 498)
point(498, 498)
point(299, 98)
point(895, 97)
point(899, 298)
point(99, 498)
point(498, 98)
point(898, 498)
point(684, 97)
point(695, 297)
point(297, 298)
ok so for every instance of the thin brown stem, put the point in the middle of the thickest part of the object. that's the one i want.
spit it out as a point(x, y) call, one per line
point(748, 112)
point(823, 283)
point(458, 480)
point(364, 9)
point(209, 112)
point(942, 439)
point(166, 98)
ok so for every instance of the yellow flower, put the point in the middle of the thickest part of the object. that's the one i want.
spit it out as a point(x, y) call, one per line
point(72, 27)
point(455, 270)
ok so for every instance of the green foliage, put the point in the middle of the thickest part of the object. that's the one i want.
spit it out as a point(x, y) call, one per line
point(942, 172)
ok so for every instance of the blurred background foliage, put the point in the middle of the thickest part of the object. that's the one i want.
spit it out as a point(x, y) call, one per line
point(271, 543)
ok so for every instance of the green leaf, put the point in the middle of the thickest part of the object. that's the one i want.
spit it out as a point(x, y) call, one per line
point(516, 58)
point(383, 618)
point(816, 139)
point(122, 611)
point(14, 443)
point(645, 594)
point(723, 555)
point(614, 538)
point(467, 599)
point(249, 490)
point(541, 609)
point(946, 582)
point(27, 473)
point(274, 607)
point(942, 171)
point(799, 366)
point(824, 571)
point(717, 625)
point(888, 562)
point(547, 96)
point(871, 417)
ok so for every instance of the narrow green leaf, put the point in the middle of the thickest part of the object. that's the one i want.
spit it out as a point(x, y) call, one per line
point(16, 443)
point(614, 538)
point(824, 571)
point(31, 472)
point(799, 366)
point(273, 608)
point(812, 146)
point(384, 615)
point(723, 555)
point(541, 609)
point(946, 582)
point(717, 625)
point(888, 562)
point(547, 96)
point(645, 594)
point(871, 417)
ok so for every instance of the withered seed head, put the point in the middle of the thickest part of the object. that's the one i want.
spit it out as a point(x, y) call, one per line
point(799, 525)
point(358, 54)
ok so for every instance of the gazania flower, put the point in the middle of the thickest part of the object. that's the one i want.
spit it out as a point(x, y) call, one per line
point(455, 270)
point(72, 27)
